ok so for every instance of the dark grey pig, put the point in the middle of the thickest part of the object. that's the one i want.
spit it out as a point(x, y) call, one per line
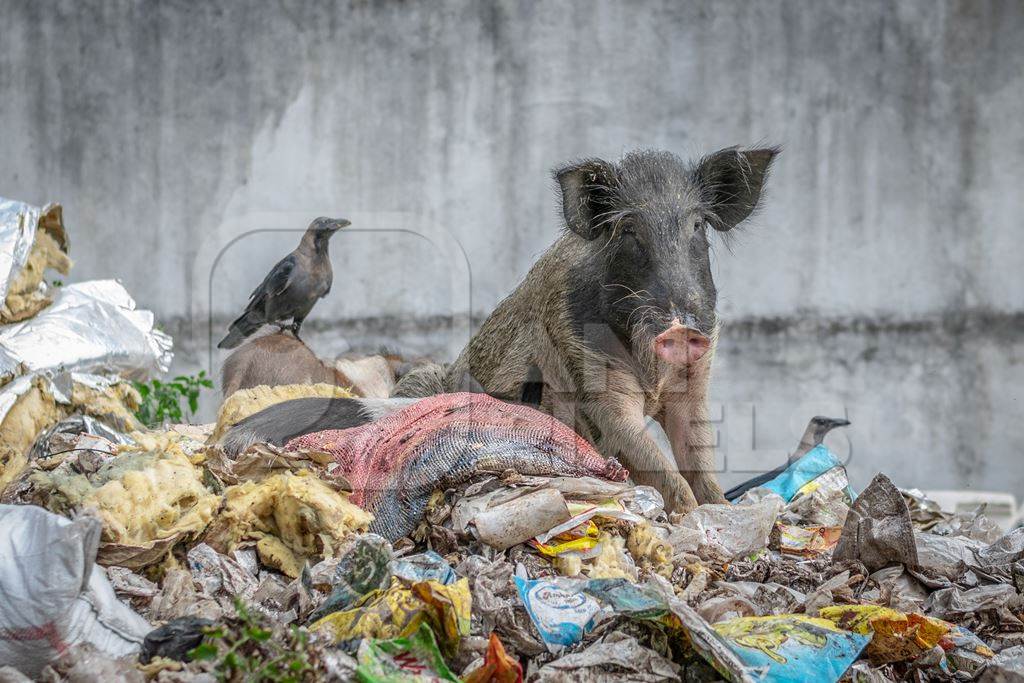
point(616, 321)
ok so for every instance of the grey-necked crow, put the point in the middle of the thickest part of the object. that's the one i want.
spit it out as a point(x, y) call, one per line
point(292, 287)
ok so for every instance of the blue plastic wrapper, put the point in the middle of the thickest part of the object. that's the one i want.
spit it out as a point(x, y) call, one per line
point(560, 608)
point(792, 647)
point(816, 463)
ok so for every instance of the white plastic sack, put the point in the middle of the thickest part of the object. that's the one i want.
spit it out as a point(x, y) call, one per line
point(52, 595)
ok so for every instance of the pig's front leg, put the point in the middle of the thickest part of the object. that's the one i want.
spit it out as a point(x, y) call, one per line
point(624, 436)
point(684, 417)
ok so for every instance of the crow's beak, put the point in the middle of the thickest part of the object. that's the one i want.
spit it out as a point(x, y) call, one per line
point(339, 223)
point(831, 422)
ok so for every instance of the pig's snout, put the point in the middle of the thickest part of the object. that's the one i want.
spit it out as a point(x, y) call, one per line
point(680, 345)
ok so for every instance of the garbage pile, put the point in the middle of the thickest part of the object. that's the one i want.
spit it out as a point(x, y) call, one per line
point(64, 350)
point(457, 538)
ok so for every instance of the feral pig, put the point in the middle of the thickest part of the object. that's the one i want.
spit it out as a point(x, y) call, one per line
point(280, 358)
point(617, 320)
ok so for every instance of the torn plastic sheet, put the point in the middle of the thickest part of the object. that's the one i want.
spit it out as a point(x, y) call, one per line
point(53, 595)
point(793, 647)
point(91, 327)
point(1005, 667)
point(730, 531)
point(616, 652)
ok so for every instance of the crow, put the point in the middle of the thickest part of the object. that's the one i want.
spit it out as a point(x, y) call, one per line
point(292, 287)
point(815, 433)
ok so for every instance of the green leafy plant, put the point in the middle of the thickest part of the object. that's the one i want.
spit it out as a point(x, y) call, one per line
point(162, 400)
point(246, 650)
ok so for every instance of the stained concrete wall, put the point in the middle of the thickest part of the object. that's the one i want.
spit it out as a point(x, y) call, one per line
point(190, 141)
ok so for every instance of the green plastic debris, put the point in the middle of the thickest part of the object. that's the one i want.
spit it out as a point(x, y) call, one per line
point(414, 659)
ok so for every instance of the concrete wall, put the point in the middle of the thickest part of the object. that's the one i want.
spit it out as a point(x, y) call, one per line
point(190, 141)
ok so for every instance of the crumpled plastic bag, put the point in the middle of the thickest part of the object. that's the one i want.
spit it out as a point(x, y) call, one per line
point(878, 531)
point(944, 557)
point(400, 610)
point(175, 639)
point(496, 604)
point(896, 637)
point(955, 602)
point(406, 659)
point(1005, 667)
point(616, 657)
point(726, 531)
point(363, 567)
point(53, 595)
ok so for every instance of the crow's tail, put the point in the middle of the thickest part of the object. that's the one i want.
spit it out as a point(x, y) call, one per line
point(246, 324)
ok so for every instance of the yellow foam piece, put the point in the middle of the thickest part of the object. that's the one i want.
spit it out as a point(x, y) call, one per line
point(33, 412)
point(164, 498)
point(246, 402)
point(306, 517)
point(608, 564)
point(648, 548)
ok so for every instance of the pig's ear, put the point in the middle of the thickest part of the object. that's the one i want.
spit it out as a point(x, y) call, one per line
point(588, 190)
point(731, 181)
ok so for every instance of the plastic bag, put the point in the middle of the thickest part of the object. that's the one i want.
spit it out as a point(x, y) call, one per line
point(793, 647)
point(561, 609)
point(52, 594)
point(401, 609)
point(411, 659)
